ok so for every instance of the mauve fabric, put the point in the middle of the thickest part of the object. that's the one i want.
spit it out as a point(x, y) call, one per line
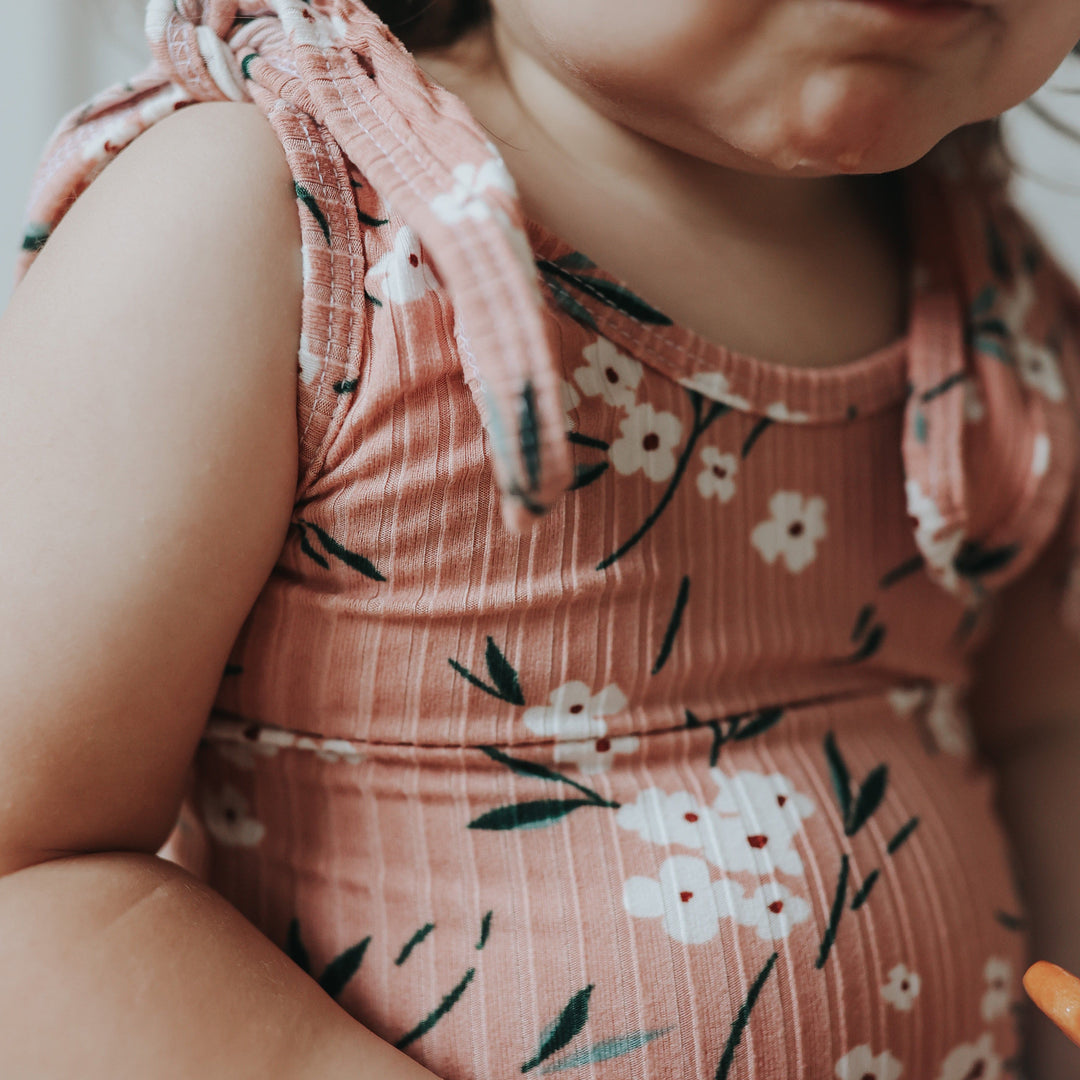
point(604, 712)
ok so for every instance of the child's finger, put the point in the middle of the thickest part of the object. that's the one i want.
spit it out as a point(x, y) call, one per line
point(1057, 993)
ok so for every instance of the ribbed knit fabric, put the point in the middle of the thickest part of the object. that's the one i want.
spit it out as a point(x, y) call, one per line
point(673, 781)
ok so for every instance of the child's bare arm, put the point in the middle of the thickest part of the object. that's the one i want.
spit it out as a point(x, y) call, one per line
point(148, 464)
point(1026, 710)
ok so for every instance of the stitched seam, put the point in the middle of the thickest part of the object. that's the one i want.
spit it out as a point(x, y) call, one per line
point(329, 251)
point(842, 698)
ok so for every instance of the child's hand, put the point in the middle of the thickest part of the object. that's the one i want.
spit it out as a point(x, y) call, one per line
point(1057, 993)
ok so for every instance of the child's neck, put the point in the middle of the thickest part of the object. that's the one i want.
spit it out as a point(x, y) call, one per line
point(808, 272)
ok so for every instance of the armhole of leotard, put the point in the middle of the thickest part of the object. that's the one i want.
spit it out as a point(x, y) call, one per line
point(334, 313)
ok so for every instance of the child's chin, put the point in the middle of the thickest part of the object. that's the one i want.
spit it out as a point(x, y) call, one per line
point(851, 141)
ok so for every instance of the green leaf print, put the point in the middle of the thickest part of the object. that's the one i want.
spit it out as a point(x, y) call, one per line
point(342, 968)
point(904, 570)
point(338, 972)
point(36, 237)
point(411, 944)
point(485, 930)
point(542, 772)
point(701, 424)
point(367, 219)
point(505, 684)
point(574, 308)
point(744, 726)
point(567, 1024)
point(575, 261)
point(1010, 922)
point(829, 939)
point(742, 1019)
point(673, 625)
point(838, 771)
point(974, 561)
point(586, 474)
point(998, 253)
point(606, 292)
point(856, 810)
point(862, 895)
point(531, 815)
point(605, 1050)
point(350, 558)
point(529, 428)
point(906, 830)
point(587, 440)
point(757, 723)
point(437, 1013)
point(756, 432)
point(308, 200)
point(868, 800)
point(294, 947)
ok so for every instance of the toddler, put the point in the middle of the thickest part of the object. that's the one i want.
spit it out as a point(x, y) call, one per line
point(561, 667)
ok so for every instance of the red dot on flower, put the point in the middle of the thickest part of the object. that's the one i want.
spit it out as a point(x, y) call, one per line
point(414, 260)
point(685, 896)
point(904, 986)
point(251, 731)
point(757, 841)
point(575, 709)
point(776, 906)
point(868, 1076)
point(651, 441)
point(611, 375)
point(976, 1070)
point(781, 799)
point(796, 528)
point(690, 816)
point(719, 471)
point(603, 745)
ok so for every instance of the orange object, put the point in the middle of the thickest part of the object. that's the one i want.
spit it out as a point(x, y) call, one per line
point(1057, 993)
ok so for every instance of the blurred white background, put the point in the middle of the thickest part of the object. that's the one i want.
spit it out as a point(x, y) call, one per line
point(54, 53)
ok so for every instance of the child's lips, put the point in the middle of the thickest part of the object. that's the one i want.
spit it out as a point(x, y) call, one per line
point(1057, 993)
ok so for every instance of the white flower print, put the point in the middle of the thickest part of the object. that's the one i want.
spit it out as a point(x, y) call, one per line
point(684, 897)
point(647, 441)
point(677, 818)
point(974, 409)
point(861, 1064)
point(902, 988)
point(998, 997)
point(575, 712)
point(772, 909)
point(335, 750)
point(780, 412)
point(714, 385)
point(907, 699)
point(571, 399)
point(1040, 455)
point(717, 478)
point(465, 199)
point(608, 373)
point(226, 816)
point(594, 755)
point(793, 531)
point(767, 814)
point(1039, 369)
point(940, 551)
point(948, 722)
point(401, 275)
point(969, 1060)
